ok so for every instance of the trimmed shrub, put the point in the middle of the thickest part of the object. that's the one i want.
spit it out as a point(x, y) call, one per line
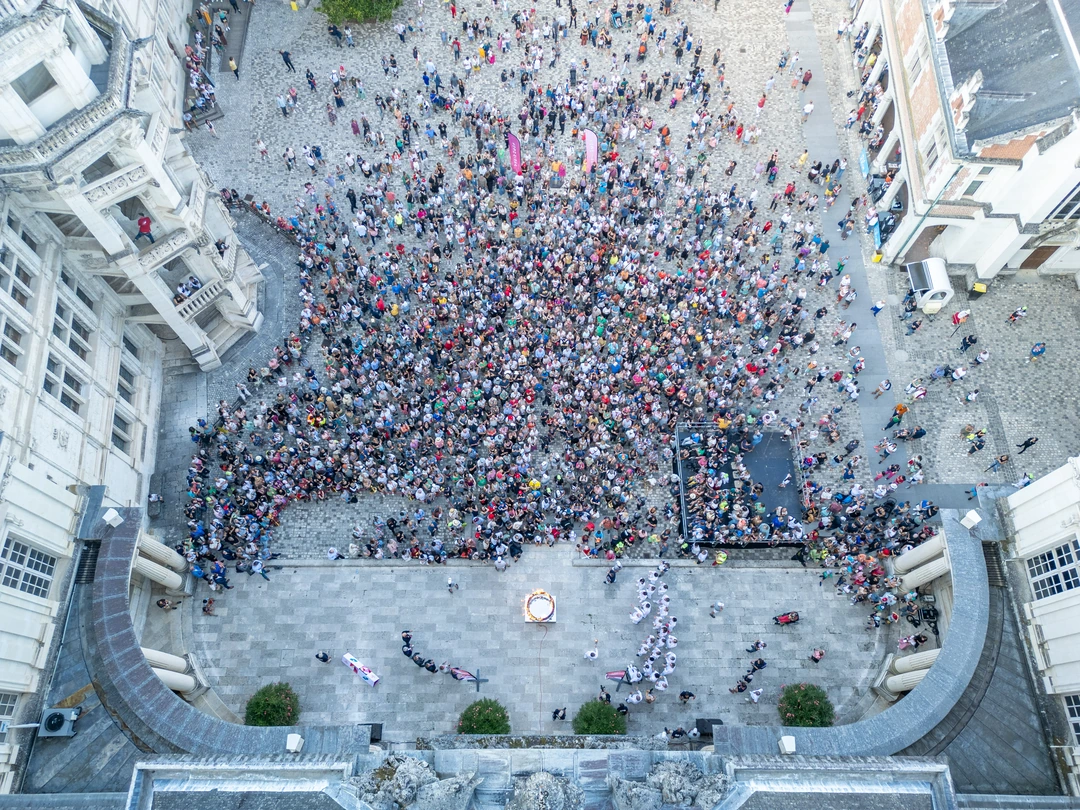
point(276, 704)
point(598, 717)
point(485, 716)
point(806, 705)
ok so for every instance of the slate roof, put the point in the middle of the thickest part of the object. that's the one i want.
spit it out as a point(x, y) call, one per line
point(769, 800)
point(242, 800)
point(1030, 72)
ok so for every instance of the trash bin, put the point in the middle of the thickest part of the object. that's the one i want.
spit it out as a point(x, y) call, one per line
point(978, 290)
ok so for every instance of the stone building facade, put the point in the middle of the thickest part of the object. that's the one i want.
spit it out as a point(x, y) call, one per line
point(90, 99)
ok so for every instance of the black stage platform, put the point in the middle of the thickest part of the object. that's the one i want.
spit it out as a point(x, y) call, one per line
point(769, 463)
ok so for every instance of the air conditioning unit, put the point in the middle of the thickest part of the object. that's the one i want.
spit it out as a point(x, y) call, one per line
point(58, 722)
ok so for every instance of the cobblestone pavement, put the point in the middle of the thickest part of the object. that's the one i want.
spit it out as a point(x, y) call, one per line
point(362, 608)
point(750, 42)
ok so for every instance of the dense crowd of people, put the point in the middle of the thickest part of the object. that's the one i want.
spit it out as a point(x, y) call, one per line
point(510, 352)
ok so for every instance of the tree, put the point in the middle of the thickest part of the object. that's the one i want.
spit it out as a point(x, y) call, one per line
point(340, 12)
point(805, 705)
point(485, 716)
point(276, 704)
point(598, 717)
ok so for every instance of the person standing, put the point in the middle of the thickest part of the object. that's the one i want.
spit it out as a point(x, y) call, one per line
point(235, 68)
point(323, 656)
point(451, 585)
point(286, 57)
point(144, 229)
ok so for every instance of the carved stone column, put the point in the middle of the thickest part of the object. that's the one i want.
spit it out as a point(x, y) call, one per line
point(926, 573)
point(906, 682)
point(161, 553)
point(159, 573)
point(934, 547)
point(164, 660)
point(176, 681)
point(21, 124)
point(915, 661)
point(71, 77)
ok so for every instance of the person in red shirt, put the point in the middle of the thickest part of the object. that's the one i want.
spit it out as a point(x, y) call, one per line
point(144, 229)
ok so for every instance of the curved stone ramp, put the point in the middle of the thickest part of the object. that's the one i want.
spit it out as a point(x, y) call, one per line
point(922, 709)
point(153, 716)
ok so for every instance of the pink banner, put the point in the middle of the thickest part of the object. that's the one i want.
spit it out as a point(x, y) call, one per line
point(514, 145)
point(592, 149)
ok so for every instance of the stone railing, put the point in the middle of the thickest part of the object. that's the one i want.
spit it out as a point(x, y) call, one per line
point(200, 300)
point(118, 184)
point(166, 249)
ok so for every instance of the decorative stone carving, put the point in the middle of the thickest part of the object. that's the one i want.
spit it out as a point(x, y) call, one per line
point(164, 249)
point(545, 791)
point(669, 783)
point(3, 395)
point(134, 176)
point(161, 134)
point(629, 795)
point(454, 793)
point(396, 783)
point(62, 437)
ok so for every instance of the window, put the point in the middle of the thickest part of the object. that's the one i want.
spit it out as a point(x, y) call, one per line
point(26, 569)
point(78, 289)
point(1055, 571)
point(931, 157)
point(15, 279)
point(11, 347)
point(985, 170)
point(121, 434)
point(972, 188)
point(1072, 706)
point(130, 347)
point(62, 384)
point(72, 332)
point(8, 702)
point(15, 225)
point(125, 385)
point(918, 61)
point(1069, 208)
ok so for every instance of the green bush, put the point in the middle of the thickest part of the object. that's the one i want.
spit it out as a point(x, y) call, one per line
point(598, 717)
point(806, 705)
point(276, 704)
point(340, 12)
point(485, 716)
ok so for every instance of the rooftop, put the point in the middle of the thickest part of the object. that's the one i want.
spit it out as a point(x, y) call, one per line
point(1025, 50)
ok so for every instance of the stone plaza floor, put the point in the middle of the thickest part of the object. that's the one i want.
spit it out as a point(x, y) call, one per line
point(268, 631)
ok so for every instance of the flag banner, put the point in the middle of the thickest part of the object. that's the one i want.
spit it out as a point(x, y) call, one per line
point(459, 674)
point(592, 149)
point(514, 145)
point(617, 675)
